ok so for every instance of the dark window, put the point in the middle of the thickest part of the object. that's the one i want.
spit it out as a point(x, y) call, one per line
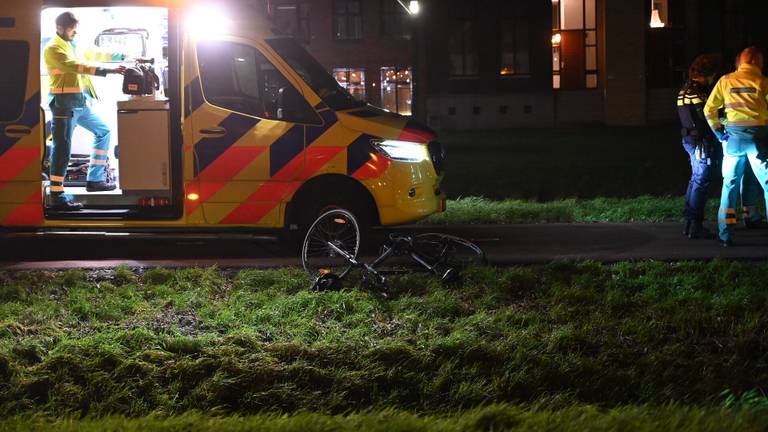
point(7, 22)
point(347, 19)
point(239, 78)
point(515, 43)
point(463, 43)
point(13, 79)
point(293, 19)
point(395, 21)
point(305, 26)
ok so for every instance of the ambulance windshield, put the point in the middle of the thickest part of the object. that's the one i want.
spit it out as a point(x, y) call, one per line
point(314, 74)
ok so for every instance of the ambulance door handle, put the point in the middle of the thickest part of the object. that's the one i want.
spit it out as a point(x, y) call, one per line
point(219, 131)
point(17, 130)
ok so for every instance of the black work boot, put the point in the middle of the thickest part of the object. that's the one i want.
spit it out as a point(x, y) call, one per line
point(697, 231)
point(99, 186)
point(687, 226)
point(60, 202)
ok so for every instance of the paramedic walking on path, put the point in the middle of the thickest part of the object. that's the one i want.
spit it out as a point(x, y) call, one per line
point(698, 141)
point(71, 92)
point(743, 95)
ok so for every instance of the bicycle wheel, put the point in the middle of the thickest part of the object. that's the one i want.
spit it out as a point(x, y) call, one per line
point(332, 235)
point(447, 250)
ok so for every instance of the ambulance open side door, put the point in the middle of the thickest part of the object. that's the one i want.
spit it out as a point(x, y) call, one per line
point(21, 131)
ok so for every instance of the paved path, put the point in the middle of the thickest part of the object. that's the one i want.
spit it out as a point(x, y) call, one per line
point(503, 244)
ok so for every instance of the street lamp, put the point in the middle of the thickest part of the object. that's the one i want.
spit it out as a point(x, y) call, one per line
point(412, 8)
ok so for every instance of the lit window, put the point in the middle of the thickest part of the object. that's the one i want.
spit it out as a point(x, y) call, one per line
point(397, 89)
point(574, 44)
point(353, 80)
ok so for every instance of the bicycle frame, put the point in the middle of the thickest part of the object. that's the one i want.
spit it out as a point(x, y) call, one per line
point(388, 252)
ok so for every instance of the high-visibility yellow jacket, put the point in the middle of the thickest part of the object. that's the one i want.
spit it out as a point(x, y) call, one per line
point(68, 74)
point(743, 94)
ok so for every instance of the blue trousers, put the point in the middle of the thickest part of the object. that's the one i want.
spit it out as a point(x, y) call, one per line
point(742, 148)
point(750, 195)
point(698, 185)
point(65, 118)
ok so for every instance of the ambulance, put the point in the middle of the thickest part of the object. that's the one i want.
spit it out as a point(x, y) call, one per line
point(245, 130)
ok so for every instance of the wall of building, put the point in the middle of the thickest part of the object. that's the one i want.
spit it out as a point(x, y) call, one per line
point(370, 53)
point(484, 111)
point(488, 100)
point(624, 84)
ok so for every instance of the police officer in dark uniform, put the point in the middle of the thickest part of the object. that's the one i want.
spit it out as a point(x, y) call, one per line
point(703, 148)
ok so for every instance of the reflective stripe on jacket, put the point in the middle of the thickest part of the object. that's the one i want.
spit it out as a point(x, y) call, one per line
point(743, 94)
point(690, 110)
point(67, 73)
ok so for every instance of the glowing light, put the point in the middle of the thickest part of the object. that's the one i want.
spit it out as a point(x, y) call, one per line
point(193, 196)
point(402, 150)
point(414, 7)
point(207, 22)
point(656, 19)
point(556, 39)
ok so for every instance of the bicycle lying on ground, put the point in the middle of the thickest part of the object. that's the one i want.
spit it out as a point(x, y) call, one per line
point(332, 243)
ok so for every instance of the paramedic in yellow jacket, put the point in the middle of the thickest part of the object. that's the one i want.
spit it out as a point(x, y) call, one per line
point(71, 93)
point(744, 95)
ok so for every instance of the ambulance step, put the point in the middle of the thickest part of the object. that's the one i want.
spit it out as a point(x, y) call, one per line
point(118, 214)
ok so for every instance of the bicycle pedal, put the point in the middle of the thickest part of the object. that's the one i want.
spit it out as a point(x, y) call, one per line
point(450, 275)
point(327, 282)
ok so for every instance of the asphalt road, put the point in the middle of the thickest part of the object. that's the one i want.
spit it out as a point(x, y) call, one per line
point(503, 244)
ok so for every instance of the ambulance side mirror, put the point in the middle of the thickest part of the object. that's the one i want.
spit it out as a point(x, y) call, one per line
point(289, 103)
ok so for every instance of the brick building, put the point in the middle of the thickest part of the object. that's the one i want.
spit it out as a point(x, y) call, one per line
point(499, 63)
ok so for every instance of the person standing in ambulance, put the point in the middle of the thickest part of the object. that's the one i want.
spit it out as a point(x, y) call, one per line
point(70, 97)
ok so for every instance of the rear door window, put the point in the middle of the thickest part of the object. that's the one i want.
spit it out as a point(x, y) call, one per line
point(13, 79)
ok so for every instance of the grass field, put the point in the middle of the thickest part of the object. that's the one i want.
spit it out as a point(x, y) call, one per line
point(584, 174)
point(492, 418)
point(549, 164)
point(474, 210)
point(636, 344)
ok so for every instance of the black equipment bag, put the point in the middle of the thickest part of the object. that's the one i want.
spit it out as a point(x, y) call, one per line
point(140, 80)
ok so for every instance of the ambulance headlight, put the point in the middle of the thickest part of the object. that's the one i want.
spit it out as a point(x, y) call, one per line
point(402, 150)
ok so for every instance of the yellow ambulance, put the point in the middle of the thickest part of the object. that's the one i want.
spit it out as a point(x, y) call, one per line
point(246, 130)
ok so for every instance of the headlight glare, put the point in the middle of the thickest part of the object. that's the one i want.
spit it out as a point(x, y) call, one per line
point(405, 151)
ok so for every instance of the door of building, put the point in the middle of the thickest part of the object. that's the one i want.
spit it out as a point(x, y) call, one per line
point(572, 67)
